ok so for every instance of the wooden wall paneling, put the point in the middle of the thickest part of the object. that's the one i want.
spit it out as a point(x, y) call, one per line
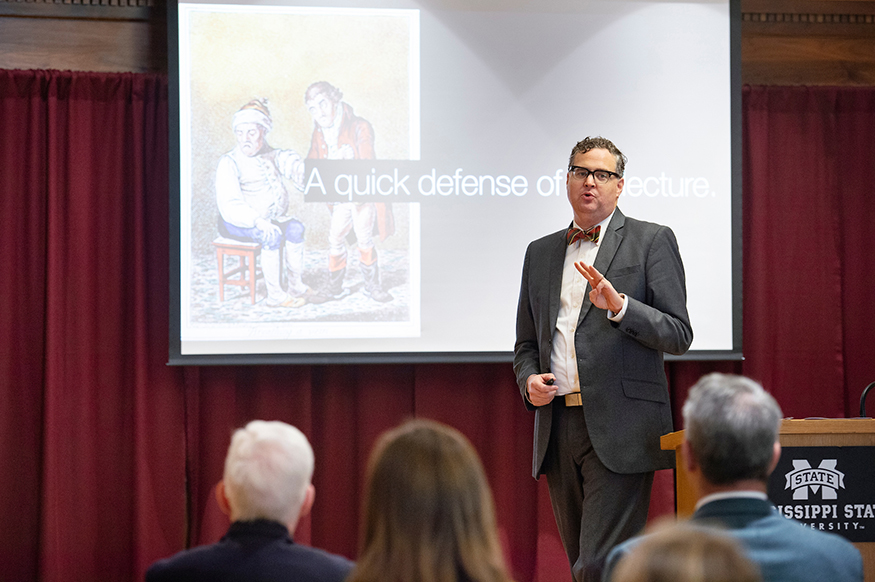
point(784, 42)
point(84, 35)
point(799, 42)
point(810, 60)
point(78, 45)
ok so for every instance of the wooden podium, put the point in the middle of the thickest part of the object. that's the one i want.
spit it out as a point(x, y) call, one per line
point(842, 432)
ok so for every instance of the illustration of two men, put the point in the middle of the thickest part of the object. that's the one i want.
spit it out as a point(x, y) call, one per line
point(254, 203)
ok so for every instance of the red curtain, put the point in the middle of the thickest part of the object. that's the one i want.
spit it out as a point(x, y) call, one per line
point(809, 214)
point(91, 446)
point(108, 457)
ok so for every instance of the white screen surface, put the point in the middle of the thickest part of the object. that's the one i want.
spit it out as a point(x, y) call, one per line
point(475, 107)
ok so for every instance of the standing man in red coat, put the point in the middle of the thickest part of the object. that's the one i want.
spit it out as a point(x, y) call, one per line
point(338, 134)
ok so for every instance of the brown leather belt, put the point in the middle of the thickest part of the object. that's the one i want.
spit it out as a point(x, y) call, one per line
point(573, 399)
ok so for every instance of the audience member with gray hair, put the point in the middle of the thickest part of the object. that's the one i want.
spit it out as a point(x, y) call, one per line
point(266, 488)
point(731, 448)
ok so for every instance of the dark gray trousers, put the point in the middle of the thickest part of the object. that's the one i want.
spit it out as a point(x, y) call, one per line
point(595, 508)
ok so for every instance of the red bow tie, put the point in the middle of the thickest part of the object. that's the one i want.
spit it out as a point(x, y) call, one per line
point(589, 235)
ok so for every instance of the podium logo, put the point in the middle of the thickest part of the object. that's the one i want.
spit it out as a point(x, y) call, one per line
point(824, 478)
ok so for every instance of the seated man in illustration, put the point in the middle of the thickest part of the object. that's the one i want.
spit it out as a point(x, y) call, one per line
point(254, 204)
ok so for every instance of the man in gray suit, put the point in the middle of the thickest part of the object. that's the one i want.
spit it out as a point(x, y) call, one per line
point(731, 448)
point(600, 303)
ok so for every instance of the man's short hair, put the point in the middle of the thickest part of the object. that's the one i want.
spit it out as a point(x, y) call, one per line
point(732, 426)
point(331, 92)
point(267, 471)
point(598, 142)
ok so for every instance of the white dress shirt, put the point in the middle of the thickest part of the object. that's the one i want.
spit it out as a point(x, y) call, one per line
point(563, 360)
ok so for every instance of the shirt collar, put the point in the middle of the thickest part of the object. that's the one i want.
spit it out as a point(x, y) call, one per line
point(731, 495)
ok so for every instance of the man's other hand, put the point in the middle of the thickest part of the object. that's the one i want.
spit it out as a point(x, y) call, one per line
point(540, 392)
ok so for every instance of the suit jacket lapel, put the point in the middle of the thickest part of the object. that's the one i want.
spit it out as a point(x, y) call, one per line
point(557, 265)
point(607, 249)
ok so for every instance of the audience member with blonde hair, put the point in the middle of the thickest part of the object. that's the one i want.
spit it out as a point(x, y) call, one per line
point(687, 553)
point(428, 514)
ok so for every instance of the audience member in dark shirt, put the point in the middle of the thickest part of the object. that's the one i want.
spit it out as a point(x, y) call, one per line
point(265, 490)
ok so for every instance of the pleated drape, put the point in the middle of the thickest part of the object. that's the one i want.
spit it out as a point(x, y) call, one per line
point(108, 457)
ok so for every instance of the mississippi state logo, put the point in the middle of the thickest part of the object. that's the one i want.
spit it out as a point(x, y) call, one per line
point(825, 478)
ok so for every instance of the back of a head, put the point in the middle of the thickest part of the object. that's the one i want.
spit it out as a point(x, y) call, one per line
point(267, 472)
point(686, 553)
point(428, 514)
point(731, 425)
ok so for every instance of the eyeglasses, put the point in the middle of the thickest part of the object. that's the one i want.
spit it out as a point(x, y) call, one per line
point(600, 176)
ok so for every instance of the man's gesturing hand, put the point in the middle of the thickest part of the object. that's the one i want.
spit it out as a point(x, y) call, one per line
point(603, 294)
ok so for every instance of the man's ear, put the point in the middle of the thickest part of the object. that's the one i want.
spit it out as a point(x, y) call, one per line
point(222, 498)
point(776, 456)
point(309, 498)
point(690, 463)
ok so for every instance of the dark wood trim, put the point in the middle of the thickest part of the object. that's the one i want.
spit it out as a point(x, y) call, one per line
point(816, 7)
point(139, 10)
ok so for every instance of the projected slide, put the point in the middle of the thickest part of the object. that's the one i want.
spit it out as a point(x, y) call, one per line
point(380, 170)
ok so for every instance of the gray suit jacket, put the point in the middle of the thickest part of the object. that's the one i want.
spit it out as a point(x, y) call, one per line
point(622, 376)
point(784, 550)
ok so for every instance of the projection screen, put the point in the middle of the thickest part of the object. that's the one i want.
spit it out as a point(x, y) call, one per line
point(463, 115)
